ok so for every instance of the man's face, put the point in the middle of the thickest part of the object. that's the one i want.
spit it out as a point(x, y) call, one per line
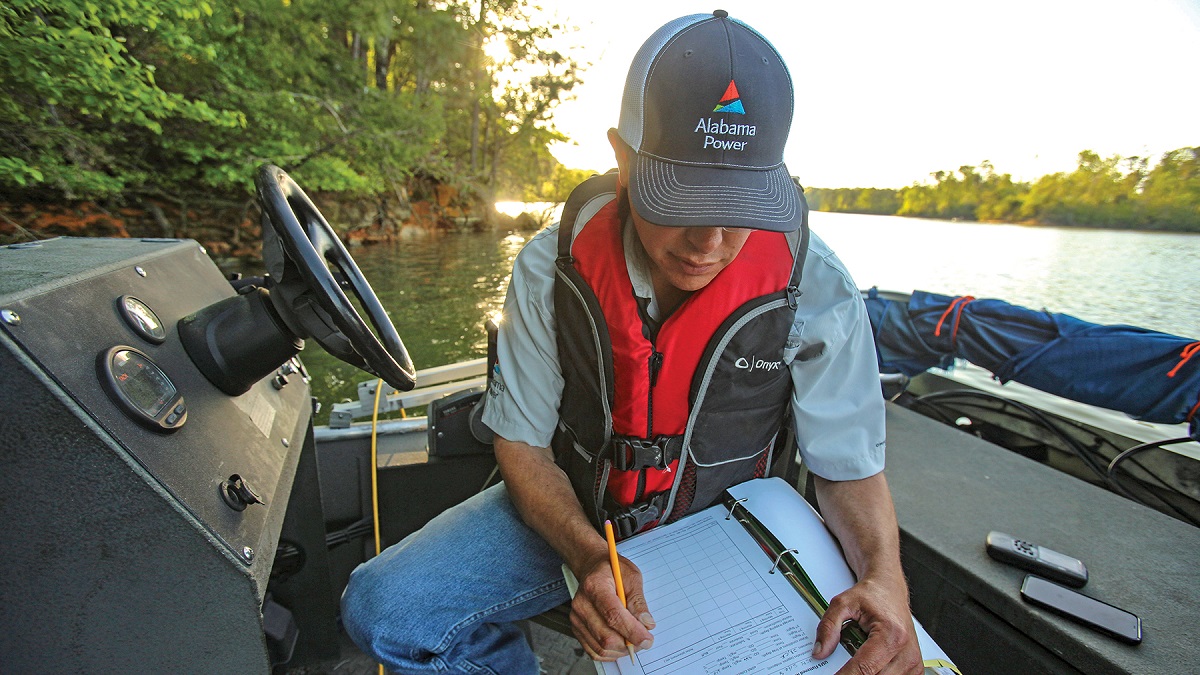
point(685, 258)
point(688, 258)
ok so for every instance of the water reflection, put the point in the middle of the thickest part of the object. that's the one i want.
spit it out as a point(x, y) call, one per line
point(1102, 276)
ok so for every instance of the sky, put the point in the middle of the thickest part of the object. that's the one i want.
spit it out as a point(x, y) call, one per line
point(888, 92)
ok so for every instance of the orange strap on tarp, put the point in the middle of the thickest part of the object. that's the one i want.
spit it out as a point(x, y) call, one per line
point(958, 303)
point(1184, 356)
point(1187, 353)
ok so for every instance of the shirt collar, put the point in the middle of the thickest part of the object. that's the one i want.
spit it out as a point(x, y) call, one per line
point(638, 265)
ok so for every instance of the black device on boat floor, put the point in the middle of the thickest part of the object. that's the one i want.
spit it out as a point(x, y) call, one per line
point(1037, 559)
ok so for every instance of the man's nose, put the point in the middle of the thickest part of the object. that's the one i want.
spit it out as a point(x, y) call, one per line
point(704, 239)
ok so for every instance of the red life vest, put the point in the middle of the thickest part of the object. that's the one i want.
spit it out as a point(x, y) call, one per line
point(630, 434)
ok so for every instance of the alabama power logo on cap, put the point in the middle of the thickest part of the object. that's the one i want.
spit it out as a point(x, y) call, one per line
point(731, 102)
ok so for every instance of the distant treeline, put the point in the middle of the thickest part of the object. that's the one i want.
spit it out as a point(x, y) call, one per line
point(1117, 192)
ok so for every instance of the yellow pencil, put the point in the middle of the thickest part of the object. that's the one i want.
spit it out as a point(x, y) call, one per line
point(616, 568)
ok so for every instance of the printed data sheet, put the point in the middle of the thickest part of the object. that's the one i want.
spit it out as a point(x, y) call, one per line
point(718, 607)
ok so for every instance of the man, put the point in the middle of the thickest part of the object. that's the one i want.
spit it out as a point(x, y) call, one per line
point(658, 340)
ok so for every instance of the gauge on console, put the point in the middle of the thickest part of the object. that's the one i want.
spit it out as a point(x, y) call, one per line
point(142, 319)
point(142, 389)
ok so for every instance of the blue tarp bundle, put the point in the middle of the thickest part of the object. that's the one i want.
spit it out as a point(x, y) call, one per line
point(1149, 375)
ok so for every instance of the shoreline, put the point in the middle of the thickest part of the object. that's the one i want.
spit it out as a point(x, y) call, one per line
point(231, 229)
point(1021, 223)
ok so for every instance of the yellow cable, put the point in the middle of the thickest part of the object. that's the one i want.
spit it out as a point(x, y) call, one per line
point(375, 473)
point(375, 465)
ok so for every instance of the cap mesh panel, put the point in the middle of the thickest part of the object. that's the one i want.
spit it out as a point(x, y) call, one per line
point(631, 123)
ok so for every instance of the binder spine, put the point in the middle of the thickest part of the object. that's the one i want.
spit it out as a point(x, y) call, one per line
point(853, 636)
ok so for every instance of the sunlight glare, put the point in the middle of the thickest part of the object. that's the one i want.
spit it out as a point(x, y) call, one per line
point(495, 48)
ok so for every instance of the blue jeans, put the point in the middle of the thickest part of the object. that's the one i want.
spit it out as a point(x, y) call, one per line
point(444, 599)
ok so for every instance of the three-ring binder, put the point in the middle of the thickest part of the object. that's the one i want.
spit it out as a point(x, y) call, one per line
point(853, 635)
point(769, 511)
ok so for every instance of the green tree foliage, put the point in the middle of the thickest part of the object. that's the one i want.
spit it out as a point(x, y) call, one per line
point(516, 86)
point(1113, 192)
point(1096, 193)
point(178, 99)
point(1170, 196)
point(854, 200)
point(80, 82)
point(968, 194)
point(556, 184)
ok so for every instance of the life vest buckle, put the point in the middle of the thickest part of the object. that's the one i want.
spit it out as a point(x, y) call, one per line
point(633, 519)
point(793, 296)
point(630, 453)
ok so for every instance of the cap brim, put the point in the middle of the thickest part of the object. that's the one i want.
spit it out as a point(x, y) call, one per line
point(680, 195)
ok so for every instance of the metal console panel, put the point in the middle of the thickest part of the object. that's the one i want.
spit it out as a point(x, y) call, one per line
point(124, 549)
point(65, 329)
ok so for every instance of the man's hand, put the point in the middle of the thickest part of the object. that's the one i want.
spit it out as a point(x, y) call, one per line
point(881, 608)
point(599, 621)
point(860, 514)
point(543, 496)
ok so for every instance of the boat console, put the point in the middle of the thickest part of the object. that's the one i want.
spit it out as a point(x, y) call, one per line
point(142, 505)
point(156, 424)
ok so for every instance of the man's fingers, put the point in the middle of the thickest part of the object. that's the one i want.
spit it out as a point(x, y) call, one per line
point(593, 624)
point(591, 632)
point(829, 630)
point(599, 618)
point(884, 654)
point(600, 656)
point(582, 632)
point(617, 618)
point(891, 646)
point(870, 659)
point(588, 650)
point(635, 602)
point(639, 610)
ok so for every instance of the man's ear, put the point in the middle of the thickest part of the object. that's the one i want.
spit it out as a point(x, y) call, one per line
point(622, 152)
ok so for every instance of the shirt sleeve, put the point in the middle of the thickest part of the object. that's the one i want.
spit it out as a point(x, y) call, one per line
point(836, 398)
point(527, 383)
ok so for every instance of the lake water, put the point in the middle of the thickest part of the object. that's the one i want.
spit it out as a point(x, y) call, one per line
point(440, 290)
point(1103, 276)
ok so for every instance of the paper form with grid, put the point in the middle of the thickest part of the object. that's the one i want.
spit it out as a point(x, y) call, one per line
point(708, 584)
point(718, 609)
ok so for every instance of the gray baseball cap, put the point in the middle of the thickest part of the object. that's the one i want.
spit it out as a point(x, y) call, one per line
point(707, 107)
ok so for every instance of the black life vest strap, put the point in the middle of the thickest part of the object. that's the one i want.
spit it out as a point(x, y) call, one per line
point(628, 521)
point(579, 197)
point(793, 288)
point(631, 453)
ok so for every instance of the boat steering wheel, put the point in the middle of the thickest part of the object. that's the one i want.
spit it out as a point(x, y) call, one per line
point(299, 247)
